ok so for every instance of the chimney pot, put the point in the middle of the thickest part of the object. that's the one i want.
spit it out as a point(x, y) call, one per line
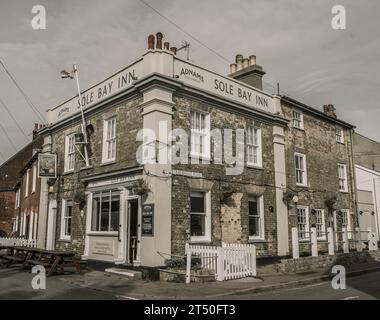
point(159, 37)
point(245, 63)
point(151, 42)
point(174, 50)
point(252, 60)
point(329, 110)
point(239, 57)
point(232, 68)
point(36, 126)
point(166, 45)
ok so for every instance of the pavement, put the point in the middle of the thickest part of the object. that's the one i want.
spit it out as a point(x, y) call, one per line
point(16, 284)
point(143, 289)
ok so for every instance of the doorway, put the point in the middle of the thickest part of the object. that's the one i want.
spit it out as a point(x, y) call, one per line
point(133, 230)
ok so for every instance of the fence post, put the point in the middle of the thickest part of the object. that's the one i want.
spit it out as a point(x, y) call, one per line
point(314, 242)
point(295, 244)
point(253, 261)
point(359, 243)
point(220, 264)
point(345, 240)
point(330, 240)
point(188, 263)
point(372, 245)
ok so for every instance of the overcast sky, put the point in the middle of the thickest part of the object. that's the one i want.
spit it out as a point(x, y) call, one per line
point(293, 41)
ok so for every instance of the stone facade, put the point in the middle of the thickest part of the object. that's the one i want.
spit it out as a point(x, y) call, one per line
point(323, 153)
point(129, 121)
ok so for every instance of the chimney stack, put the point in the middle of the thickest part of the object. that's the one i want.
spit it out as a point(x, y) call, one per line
point(247, 71)
point(151, 42)
point(159, 37)
point(239, 62)
point(329, 110)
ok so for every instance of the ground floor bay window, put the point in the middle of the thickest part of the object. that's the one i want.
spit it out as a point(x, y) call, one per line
point(106, 211)
point(200, 216)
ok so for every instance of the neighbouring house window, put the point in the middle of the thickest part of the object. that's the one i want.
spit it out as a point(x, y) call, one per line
point(254, 156)
point(199, 216)
point(303, 222)
point(297, 119)
point(35, 228)
point(27, 183)
point(17, 201)
point(339, 134)
point(320, 223)
point(342, 173)
point(34, 181)
point(300, 166)
point(346, 222)
point(200, 135)
point(256, 217)
point(109, 140)
point(66, 218)
point(106, 211)
point(69, 152)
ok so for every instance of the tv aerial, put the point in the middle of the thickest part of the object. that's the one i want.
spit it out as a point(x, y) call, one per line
point(185, 46)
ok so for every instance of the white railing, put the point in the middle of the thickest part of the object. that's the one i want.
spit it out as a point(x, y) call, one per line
point(231, 261)
point(18, 242)
point(332, 244)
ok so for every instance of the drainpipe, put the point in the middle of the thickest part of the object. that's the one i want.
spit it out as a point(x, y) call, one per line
point(376, 212)
point(353, 176)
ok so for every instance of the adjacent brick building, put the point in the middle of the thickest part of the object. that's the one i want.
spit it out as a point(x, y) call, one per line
point(9, 176)
point(288, 165)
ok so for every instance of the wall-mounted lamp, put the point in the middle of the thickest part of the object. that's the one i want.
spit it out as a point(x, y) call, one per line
point(271, 208)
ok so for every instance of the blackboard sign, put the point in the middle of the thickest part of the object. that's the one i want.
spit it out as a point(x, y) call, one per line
point(147, 220)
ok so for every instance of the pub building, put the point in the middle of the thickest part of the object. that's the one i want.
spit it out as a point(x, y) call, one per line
point(297, 166)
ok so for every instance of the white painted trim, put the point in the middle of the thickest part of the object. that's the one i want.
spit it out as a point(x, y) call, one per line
point(304, 184)
point(344, 166)
point(207, 236)
point(260, 200)
point(104, 145)
point(34, 181)
point(52, 216)
point(307, 224)
point(27, 183)
point(66, 169)
point(62, 235)
point(324, 236)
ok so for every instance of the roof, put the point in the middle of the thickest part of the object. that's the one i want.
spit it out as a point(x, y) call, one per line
point(316, 112)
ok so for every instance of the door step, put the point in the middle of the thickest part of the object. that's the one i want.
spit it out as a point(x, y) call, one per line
point(132, 274)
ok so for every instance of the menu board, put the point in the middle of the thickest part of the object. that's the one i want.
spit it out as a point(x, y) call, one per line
point(147, 220)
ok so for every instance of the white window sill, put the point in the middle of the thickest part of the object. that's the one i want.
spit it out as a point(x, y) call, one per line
point(254, 166)
point(256, 239)
point(65, 239)
point(340, 142)
point(199, 240)
point(302, 129)
point(68, 172)
point(103, 233)
point(343, 191)
point(107, 162)
point(200, 157)
point(301, 185)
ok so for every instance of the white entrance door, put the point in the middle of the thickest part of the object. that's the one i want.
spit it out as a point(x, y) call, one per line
point(51, 224)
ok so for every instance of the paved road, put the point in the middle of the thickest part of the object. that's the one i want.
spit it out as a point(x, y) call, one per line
point(364, 287)
point(17, 285)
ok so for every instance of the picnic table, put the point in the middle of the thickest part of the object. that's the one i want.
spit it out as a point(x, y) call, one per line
point(52, 260)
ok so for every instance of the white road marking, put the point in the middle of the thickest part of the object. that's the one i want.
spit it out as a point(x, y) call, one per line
point(126, 297)
point(351, 298)
point(308, 286)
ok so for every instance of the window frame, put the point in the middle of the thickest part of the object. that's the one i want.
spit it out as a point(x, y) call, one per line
point(322, 223)
point(207, 214)
point(199, 132)
point(99, 194)
point(65, 204)
point(339, 137)
point(304, 163)
point(107, 141)
point(69, 153)
point(344, 179)
point(34, 179)
point(307, 223)
point(27, 183)
point(252, 134)
point(348, 226)
point(299, 120)
point(260, 207)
